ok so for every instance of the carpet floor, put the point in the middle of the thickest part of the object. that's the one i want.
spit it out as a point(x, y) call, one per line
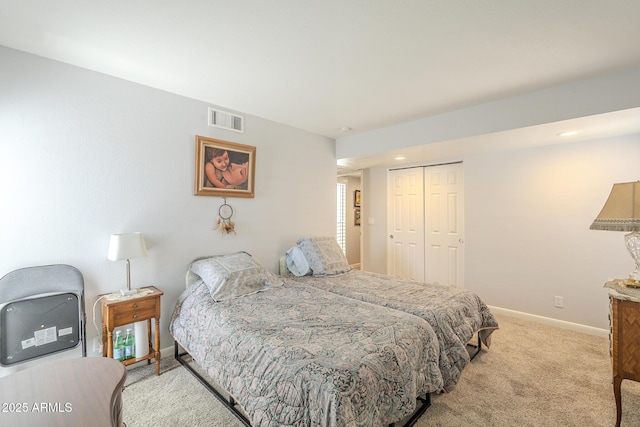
point(533, 375)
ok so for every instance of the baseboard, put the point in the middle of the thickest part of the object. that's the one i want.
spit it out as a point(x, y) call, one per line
point(552, 322)
point(167, 352)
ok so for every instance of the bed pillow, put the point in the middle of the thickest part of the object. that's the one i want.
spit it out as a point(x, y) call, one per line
point(233, 275)
point(297, 264)
point(191, 278)
point(324, 255)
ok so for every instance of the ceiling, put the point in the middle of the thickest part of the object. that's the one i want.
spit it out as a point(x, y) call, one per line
point(326, 65)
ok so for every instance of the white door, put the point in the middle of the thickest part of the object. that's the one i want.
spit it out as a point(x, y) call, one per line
point(405, 223)
point(444, 226)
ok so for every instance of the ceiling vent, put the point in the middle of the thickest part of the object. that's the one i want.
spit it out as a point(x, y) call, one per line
point(226, 120)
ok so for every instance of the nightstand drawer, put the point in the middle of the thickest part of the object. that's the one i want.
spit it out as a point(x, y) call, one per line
point(134, 311)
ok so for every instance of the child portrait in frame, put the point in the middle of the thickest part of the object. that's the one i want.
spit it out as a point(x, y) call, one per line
point(223, 168)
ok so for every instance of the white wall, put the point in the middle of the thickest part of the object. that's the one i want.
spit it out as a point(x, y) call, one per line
point(527, 218)
point(84, 155)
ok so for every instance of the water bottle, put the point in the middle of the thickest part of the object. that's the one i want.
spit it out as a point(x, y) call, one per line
point(129, 345)
point(118, 347)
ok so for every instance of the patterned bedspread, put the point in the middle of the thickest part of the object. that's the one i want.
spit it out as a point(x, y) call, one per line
point(295, 355)
point(455, 314)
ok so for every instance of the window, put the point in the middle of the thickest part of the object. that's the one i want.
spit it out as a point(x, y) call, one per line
point(341, 234)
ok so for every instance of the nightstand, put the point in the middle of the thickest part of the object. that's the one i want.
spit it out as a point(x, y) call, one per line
point(625, 339)
point(119, 311)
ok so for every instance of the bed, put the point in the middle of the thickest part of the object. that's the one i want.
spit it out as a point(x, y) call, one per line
point(291, 354)
point(455, 314)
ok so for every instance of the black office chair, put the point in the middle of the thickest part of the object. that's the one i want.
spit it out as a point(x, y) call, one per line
point(41, 313)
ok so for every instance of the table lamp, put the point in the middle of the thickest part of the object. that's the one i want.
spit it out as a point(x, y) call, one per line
point(621, 212)
point(126, 246)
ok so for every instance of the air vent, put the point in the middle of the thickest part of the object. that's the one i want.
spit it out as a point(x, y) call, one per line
point(226, 120)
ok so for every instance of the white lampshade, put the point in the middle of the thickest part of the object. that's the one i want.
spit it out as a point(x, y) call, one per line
point(126, 246)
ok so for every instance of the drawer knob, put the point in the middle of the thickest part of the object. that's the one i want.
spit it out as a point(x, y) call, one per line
point(135, 305)
point(135, 316)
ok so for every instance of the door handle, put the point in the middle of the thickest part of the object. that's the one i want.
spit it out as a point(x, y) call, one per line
point(461, 240)
point(391, 236)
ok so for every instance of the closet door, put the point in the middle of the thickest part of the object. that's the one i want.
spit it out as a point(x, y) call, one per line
point(444, 225)
point(405, 223)
point(425, 211)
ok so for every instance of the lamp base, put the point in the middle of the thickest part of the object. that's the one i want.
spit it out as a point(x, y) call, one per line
point(632, 240)
point(128, 292)
point(631, 283)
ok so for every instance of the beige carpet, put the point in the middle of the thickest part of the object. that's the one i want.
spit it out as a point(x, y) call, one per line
point(533, 375)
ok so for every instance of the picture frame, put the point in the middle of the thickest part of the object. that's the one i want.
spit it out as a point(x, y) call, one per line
point(356, 216)
point(223, 168)
point(356, 199)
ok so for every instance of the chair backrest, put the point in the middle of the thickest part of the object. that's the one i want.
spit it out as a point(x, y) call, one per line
point(30, 281)
point(38, 314)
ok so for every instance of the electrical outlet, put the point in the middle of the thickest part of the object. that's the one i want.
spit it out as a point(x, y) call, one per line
point(559, 302)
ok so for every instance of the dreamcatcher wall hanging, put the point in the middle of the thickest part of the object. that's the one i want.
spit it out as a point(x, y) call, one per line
point(224, 224)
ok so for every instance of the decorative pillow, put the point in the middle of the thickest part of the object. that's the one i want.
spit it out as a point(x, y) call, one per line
point(191, 278)
point(233, 275)
point(324, 255)
point(296, 262)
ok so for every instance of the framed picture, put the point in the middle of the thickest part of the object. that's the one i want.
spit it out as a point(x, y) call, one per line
point(224, 169)
point(356, 199)
point(356, 216)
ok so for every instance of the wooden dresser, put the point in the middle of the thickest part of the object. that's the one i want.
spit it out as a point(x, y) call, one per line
point(83, 391)
point(625, 343)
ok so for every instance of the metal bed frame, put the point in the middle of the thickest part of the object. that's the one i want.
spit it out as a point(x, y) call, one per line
point(474, 349)
point(232, 405)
